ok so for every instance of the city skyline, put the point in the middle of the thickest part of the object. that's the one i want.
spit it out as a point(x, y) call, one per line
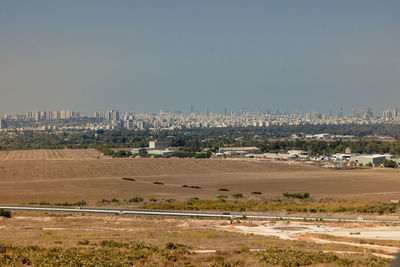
point(58, 113)
point(148, 55)
point(114, 120)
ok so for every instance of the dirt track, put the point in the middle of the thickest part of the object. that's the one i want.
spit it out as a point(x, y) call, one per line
point(79, 174)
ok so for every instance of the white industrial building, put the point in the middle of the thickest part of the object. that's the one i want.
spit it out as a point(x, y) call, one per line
point(155, 148)
point(232, 151)
point(298, 153)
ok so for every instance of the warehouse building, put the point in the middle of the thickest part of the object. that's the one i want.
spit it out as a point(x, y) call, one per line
point(375, 160)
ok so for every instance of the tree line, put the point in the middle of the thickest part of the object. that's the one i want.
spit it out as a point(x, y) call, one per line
point(196, 140)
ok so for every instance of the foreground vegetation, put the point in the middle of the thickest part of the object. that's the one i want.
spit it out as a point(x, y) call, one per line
point(288, 205)
point(293, 202)
point(291, 257)
point(114, 253)
point(63, 204)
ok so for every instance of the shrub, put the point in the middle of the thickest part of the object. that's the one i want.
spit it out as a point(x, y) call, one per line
point(297, 195)
point(388, 163)
point(238, 195)
point(195, 187)
point(129, 179)
point(83, 242)
point(291, 257)
point(136, 199)
point(65, 204)
point(5, 213)
point(105, 150)
point(122, 154)
point(171, 245)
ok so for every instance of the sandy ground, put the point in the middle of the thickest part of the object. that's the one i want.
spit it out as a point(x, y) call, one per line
point(310, 231)
point(73, 175)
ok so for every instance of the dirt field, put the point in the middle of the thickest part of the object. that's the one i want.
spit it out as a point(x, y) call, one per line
point(73, 175)
point(46, 154)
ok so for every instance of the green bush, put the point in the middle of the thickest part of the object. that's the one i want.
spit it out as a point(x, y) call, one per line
point(388, 163)
point(136, 199)
point(291, 257)
point(83, 242)
point(290, 205)
point(122, 154)
point(5, 213)
point(297, 195)
point(105, 150)
point(65, 204)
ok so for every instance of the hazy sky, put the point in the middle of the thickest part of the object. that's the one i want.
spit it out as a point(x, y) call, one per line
point(142, 56)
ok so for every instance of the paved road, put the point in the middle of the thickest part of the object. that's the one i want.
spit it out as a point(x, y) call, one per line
point(183, 214)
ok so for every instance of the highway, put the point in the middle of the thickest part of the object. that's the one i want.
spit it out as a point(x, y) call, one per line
point(168, 213)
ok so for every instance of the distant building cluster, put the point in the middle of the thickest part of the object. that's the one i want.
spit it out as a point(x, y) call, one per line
point(391, 114)
point(172, 121)
point(114, 120)
point(111, 115)
point(342, 159)
point(51, 115)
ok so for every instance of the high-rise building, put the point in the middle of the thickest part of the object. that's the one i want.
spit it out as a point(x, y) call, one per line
point(63, 114)
point(36, 115)
point(29, 115)
point(3, 124)
point(56, 115)
point(99, 115)
point(129, 125)
point(115, 115)
point(140, 125)
point(112, 115)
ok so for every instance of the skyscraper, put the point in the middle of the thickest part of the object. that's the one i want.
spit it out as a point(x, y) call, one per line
point(3, 124)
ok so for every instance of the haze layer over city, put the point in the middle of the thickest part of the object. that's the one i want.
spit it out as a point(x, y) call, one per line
point(144, 56)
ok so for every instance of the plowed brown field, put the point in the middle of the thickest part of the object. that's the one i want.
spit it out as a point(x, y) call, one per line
point(73, 175)
point(47, 154)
